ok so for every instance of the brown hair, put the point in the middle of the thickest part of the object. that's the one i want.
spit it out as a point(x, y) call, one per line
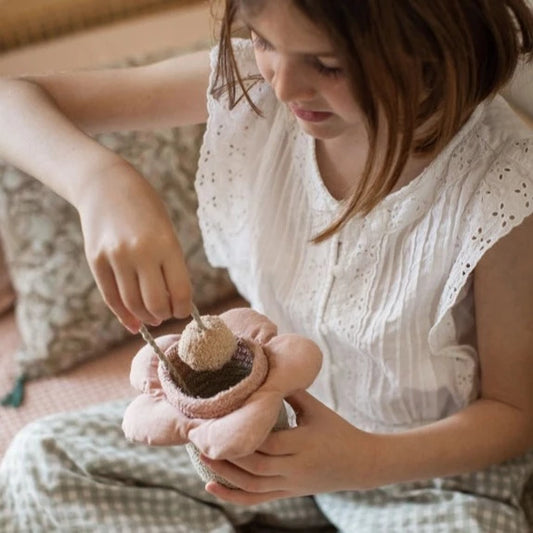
point(418, 62)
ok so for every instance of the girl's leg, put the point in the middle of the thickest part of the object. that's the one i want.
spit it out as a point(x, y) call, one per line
point(76, 472)
point(482, 502)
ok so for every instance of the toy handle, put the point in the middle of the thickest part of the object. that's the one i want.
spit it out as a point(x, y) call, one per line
point(283, 419)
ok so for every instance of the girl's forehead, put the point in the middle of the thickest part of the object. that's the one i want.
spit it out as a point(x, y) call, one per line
point(288, 29)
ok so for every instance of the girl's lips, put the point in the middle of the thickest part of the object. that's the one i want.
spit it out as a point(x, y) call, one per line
point(310, 116)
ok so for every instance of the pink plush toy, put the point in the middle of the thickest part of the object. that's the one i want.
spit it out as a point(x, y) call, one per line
point(234, 374)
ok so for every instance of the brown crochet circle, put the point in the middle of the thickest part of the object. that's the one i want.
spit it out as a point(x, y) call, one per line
point(249, 361)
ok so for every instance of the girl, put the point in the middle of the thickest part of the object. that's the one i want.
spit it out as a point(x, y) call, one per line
point(365, 187)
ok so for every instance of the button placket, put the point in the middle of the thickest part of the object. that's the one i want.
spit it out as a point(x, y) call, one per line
point(322, 326)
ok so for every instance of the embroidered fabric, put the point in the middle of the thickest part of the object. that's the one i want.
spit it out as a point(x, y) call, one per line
point(389, 298)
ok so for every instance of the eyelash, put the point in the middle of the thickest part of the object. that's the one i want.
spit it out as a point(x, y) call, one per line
point(330, 72)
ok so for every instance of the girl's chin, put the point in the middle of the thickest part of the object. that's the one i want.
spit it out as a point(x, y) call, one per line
point(319, 130)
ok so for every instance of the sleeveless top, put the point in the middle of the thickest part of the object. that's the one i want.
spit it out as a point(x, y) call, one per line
point(389, 298)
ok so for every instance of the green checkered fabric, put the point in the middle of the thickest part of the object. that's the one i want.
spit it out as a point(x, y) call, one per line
point(76, 472)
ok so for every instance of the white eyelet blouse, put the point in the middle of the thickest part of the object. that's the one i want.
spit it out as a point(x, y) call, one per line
point(389, 298)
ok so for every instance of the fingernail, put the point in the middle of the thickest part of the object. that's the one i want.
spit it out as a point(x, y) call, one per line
point(132, 327)
point(183, 312)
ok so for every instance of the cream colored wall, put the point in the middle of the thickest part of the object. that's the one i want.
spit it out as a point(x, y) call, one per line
point(103, 45)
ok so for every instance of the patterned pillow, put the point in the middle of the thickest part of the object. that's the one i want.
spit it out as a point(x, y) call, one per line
point(60, 314)
point(7, 296)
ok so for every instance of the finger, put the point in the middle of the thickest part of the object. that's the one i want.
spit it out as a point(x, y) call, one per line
point(178, 286)
point(240, 497)
point(106, 283)
point(154, 292)
point(284, 442)
point(261, 464)
point(242, 479)
point(129, 290)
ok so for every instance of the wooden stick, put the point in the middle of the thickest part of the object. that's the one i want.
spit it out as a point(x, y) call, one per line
point(147, 336)
point(196, 315)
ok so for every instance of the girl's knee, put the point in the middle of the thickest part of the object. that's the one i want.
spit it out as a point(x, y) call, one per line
point(32, 443)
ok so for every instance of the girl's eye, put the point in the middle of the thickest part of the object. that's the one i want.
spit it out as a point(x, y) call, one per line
point(260, 43)
point(331, 72)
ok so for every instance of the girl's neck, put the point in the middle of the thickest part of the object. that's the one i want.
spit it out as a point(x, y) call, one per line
point(341, 165)
point(339, 168)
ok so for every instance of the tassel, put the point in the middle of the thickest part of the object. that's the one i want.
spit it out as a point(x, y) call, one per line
point(15, 397)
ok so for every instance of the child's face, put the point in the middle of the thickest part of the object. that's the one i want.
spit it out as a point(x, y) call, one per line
point(298, 60)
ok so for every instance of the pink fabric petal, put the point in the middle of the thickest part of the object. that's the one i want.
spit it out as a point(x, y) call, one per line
point(150, 419)
point(143, 373)
point(249, 324)
point(294, 362)
point(241, 432)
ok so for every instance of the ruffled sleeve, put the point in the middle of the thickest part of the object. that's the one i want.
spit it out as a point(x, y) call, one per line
point(232, 145)
point(489, 209)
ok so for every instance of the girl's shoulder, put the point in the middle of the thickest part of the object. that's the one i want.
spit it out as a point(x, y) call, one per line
point(489, 163)
point(505, 163)
point(491, 169)
point(505, 139)
point(483, 167)
point(490, 185)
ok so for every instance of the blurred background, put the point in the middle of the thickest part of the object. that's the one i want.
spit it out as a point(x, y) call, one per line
point(48, 35)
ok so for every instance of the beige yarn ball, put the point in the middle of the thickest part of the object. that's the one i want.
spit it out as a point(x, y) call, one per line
point(207, 349)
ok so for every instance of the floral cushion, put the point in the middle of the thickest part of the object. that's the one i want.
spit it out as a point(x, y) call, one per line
point(60, 314)
point(7, 295)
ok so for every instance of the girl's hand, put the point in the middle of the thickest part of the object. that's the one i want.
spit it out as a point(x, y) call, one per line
point(132, 249)
point(323, 454)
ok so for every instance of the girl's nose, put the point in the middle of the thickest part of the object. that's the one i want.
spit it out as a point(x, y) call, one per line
point(289, 83)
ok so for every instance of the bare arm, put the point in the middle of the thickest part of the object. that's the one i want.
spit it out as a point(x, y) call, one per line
point(164, 94)
point(51, 116)
point(129, 239)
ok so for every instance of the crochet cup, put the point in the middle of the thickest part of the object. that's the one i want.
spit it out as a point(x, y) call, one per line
point(227, 405)
point(217, 392)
